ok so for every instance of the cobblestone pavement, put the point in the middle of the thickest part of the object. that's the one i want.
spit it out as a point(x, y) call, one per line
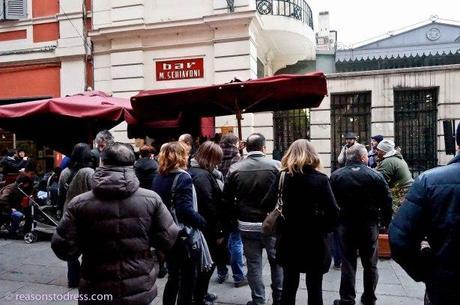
point(34, 269)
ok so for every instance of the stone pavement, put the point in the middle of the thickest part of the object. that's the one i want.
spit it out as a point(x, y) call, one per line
point(33, 269)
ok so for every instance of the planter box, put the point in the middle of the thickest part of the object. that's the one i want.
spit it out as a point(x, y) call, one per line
point(384, 246)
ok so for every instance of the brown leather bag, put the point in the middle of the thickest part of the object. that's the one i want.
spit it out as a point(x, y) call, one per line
point(270, 222)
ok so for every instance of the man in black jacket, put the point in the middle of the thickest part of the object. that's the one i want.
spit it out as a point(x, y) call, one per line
point(113, 227)
point(362, 194)
point(248, 181)
point(425, 234)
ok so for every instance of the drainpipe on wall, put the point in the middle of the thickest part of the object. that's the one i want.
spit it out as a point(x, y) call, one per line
point(231, 5)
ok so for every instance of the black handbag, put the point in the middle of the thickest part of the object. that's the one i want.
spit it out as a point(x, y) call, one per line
point(190, 237)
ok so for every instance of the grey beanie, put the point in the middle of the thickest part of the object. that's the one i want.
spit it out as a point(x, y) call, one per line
point(388, 147)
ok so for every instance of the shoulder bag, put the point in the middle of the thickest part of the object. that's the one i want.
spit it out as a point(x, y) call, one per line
point(269, 225)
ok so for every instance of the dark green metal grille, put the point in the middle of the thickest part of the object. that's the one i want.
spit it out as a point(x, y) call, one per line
point(289, 126)
point(349, 112)
point(415, 127)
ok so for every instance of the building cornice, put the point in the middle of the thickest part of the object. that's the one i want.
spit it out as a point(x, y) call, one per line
point(393, 71)
point(165, 27)
point(169, 45)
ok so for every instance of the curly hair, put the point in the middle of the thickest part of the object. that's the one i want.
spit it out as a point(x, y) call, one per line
point(172, 156)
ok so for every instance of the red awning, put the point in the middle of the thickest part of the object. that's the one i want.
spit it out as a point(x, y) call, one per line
point(281, 92)
point(87, 105)
point(64, 121)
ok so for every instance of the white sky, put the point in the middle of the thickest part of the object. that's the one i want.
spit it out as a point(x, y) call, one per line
point(358, 20)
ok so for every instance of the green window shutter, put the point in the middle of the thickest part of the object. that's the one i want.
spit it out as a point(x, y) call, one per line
point(2, 9)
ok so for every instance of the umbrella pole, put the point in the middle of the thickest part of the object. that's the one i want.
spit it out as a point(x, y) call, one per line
point(239, 117)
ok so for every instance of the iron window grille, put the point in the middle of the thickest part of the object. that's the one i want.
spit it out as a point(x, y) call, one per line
point(289, 126)
point(415, 127)
point(350, 112)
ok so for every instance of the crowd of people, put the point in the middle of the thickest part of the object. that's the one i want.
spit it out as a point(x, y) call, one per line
point(201, 208)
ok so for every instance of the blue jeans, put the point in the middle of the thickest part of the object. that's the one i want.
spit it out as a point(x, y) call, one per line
point(235, 247)
point(16, 218)
point(253, 243)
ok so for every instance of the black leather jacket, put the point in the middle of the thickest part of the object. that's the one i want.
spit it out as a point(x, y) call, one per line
point(248, 181)
point(362, 195)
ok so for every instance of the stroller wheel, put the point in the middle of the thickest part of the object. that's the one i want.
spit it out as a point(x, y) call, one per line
point(30, 237)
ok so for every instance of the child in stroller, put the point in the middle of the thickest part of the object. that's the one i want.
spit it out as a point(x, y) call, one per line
point(17, 204)
point(13, 205)
point(43, 208)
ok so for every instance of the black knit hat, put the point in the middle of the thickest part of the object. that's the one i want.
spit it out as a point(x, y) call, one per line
point(377, 138)
point(457, 134)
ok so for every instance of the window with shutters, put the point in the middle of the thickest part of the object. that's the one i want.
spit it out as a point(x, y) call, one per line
point(13, 9)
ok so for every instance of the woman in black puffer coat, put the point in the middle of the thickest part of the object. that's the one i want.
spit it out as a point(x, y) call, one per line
point(310, 213)
point(113, 227)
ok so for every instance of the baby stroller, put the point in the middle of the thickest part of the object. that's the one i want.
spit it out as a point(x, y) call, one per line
point(44, 219)
point(48, 189)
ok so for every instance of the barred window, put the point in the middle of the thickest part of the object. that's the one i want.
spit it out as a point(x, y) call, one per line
point(415, 127)
point(289, 126)
point(350, 112)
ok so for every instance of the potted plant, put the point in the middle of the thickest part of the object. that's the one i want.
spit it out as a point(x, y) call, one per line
point(398, 193)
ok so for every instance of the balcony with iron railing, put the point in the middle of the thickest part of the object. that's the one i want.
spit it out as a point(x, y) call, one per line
point(297, 9)
point(287, 26)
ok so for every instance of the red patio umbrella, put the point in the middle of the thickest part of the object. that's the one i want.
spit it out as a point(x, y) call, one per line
point(63, 121)
point(281, 92)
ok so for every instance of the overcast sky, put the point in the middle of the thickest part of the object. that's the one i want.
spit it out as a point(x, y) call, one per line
point(358, 20)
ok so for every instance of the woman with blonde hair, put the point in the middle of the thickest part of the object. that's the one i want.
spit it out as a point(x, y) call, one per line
point(175, 187)
point(309, 213)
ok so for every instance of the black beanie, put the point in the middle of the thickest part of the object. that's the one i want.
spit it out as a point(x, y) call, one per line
point(457, 134)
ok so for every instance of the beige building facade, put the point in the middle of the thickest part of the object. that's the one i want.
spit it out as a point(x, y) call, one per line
point(133, 39)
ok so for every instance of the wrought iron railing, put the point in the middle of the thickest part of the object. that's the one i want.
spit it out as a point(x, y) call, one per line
point(297, 9)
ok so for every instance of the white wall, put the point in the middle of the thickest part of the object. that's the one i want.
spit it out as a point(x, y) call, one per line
point(72, 76)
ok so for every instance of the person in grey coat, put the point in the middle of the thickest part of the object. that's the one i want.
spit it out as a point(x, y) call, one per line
point(350, 141)
point(113, 227)
point(73, 181)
